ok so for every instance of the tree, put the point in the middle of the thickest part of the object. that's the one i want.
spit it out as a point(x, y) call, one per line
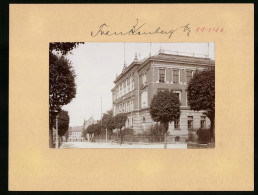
point(120, 120)
point(201, 95)
point(62, 87)
point(165, 108)
point(108, 121)
point(94, 129)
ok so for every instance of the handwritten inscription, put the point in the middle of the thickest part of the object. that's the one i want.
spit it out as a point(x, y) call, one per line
point(138, 29)
point(209, 29)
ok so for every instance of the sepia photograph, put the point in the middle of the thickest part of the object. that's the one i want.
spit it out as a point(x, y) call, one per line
point(131, 95)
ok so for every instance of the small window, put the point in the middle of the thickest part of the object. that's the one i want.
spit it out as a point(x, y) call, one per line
point(190, 122)
point(177, 138)
point(189, 75)
point(144, 78)
point(128, 84)
point(176, 125)
point(175, 76)
point(143, 119)
point(161, 75)
point(178, 94)
point(203, 122)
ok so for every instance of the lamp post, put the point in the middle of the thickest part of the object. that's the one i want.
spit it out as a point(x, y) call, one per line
point(56, 131)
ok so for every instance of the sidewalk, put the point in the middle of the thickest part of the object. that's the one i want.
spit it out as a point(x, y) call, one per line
point(115, 145)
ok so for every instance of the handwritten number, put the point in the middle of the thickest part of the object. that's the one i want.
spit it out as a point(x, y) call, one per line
point(215, 29)
point(204, 29)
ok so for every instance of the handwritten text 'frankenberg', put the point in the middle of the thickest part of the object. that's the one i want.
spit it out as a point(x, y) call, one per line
point(137, 30)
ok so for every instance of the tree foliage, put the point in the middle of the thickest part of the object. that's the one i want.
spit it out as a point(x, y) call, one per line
point(62, 87)
point(108, 121)
point(94, 128)
point(63, 47)
point(120, 120)
point(165, 107)
point(201, 94)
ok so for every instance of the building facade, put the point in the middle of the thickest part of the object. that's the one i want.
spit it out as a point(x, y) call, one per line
point(142, 79)
point(75, 134)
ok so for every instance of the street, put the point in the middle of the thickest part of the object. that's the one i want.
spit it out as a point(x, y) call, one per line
point(115, 145)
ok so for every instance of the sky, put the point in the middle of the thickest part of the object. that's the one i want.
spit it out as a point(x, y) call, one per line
point(96, 65)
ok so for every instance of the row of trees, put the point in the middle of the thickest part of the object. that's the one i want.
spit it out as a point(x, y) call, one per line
point(107, 123)
point(62, 87)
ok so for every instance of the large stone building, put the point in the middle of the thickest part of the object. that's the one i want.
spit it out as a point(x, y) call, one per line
point(140, 81)
point(75, 134)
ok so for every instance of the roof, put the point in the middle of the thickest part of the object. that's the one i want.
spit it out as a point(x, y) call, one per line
point(168, 57)
point(181, 58)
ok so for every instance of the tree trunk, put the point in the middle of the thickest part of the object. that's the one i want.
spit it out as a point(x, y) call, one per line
point(60, 141)
point(51, 137)
point(165, 135)
point(212, 129)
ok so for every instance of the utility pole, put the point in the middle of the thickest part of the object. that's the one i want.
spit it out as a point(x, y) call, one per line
point(56, 131)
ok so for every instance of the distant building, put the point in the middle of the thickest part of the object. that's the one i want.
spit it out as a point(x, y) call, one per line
point(75, 134)
point(89, 122)
point(142, 79)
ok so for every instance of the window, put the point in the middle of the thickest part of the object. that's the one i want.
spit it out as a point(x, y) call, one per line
point(133, 84)
point(177, 138)
point(190, 122)
point(176, 124)
point(161, 75)
point(203, 122)
point(128, 106)
point(124, 87)
point(178, 94)
point(189, 75)
point(120, 90)
point(144, 99)
point(175, 76)
point(143, 119)
point(128, 84)
point(144, 78)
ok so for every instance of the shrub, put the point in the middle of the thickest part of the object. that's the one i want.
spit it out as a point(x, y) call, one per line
point(125, 132)
point(156, 130)
point(203, 136)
